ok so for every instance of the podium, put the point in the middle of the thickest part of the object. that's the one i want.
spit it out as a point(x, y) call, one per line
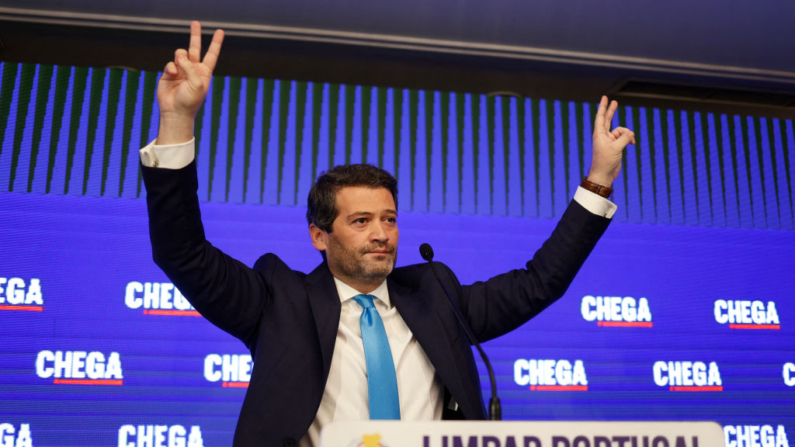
point(521, 434)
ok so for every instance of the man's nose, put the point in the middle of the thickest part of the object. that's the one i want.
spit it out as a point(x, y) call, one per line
point(378, 232)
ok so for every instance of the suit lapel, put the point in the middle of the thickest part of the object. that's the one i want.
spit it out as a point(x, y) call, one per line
point(326, 307)
point(418, 313)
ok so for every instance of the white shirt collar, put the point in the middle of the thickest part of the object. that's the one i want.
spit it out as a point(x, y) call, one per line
point(347, 292)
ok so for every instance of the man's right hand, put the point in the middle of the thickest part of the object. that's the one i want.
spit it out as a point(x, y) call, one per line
point(183, 87)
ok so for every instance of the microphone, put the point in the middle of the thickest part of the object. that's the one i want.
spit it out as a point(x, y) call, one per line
point(495, 409)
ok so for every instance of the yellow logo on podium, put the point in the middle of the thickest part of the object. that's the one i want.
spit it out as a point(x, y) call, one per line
point(371, 440)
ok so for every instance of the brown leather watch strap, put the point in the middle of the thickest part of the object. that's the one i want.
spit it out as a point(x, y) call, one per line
point(601, 190)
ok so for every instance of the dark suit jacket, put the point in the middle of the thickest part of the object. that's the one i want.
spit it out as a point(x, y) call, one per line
point(289, 319)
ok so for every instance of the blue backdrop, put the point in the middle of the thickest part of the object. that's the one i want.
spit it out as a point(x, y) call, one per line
point(683, 312)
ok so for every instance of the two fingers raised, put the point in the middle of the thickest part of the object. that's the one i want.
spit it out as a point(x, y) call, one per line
point(195, 48)
point(604, 119)
point(184, 59)
point(604, 115)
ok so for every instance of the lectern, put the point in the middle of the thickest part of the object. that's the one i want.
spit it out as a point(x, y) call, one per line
point(521, 434)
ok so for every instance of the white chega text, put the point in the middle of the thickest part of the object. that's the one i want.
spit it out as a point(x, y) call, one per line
point(154, 295)
point(15, 291)
point(755, 436)
point(78, 365)
point(789, 374)
point(687, 374)
point(11, 436)
point(615, 308)
point(227, 367)
point(160, 436)
point(746, 312)
point(549, 372)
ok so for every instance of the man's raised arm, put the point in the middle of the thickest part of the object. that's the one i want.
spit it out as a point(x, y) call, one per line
point(505, 302)
point(222, 289)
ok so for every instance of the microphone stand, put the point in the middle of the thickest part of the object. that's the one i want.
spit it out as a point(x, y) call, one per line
point(495, 409)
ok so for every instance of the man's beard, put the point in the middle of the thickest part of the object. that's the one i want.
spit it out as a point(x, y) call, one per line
point(352, 263)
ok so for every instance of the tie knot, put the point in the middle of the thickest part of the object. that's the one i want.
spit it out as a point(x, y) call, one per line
point(366, 301)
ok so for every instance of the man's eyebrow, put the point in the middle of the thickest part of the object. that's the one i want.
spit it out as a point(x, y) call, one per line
point(367, 213)
point(359, 213)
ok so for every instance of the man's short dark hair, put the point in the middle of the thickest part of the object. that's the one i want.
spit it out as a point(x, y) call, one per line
point(322, 201)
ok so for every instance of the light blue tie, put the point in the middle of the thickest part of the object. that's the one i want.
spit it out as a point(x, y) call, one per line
point(381, 379)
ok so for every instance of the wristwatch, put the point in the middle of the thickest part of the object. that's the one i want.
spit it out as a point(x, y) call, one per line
point(601, 190)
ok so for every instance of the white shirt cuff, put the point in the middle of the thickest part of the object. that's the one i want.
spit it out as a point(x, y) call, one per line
point(168, 156)
point(595, 203)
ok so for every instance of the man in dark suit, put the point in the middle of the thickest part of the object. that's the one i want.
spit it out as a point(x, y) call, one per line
point(356, 338)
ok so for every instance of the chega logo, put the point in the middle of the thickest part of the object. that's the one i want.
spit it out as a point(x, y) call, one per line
point(688, 376)
point(160, 436)
point(12, 437)
point(373, 440)
point(232, 369)
point(80, 367)
point(616, 311)
point(747, 314)
point(550, 375)
point(755, 436)
point(16, 295)
point(789, 374)
point(157, 298)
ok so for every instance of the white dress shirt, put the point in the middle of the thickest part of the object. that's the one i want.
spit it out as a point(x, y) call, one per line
point(346, 396)
point(420, 392)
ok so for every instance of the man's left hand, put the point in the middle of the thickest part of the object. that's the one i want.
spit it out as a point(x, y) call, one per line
point(608, 145)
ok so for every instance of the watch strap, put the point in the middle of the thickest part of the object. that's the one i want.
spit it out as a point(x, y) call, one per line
point(595, 188)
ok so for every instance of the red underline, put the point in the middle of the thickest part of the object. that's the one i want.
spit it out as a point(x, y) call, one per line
point(235, 384)
point(754, 326)
point(28, 308)
point(696, 388)
point(625, 324)
point(88, 382)
point(558, 387)
point(184, 313)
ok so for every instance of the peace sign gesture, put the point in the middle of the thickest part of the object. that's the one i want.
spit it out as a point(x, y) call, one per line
point(183, 86)
point(608, 146)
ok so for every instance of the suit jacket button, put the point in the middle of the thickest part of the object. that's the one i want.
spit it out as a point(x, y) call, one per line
point(288, 442)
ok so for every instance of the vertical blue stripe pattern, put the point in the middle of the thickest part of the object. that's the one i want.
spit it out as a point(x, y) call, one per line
point(731, 180)
point(768, 178)
point(757, 187)
point(632, 188)
point(114, 159)
point(544, 167)
point(23, 152)
point(648, 189)
point(7, 148)
point(716, 185)
point(702, 177)
point(458, 153)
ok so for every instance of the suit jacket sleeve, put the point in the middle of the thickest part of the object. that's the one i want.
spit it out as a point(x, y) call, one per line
point(507, 301)
point(224, 290)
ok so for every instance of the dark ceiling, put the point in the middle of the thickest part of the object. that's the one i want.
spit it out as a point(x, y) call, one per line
point(569, 50)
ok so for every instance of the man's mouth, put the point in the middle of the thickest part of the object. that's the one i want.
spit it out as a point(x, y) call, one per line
point(380, 251)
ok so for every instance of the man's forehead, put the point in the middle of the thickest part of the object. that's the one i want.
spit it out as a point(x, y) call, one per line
point(364, 198)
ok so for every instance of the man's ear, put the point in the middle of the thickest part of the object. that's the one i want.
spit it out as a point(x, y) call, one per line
point(319, 237)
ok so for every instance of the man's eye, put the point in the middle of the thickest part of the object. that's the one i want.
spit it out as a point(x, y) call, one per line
point(391, 219)
point(360, 220)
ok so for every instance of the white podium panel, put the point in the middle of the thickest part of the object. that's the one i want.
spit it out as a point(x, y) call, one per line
point(521, 434)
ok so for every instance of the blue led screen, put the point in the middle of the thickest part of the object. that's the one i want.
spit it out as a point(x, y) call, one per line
point(683, 312)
